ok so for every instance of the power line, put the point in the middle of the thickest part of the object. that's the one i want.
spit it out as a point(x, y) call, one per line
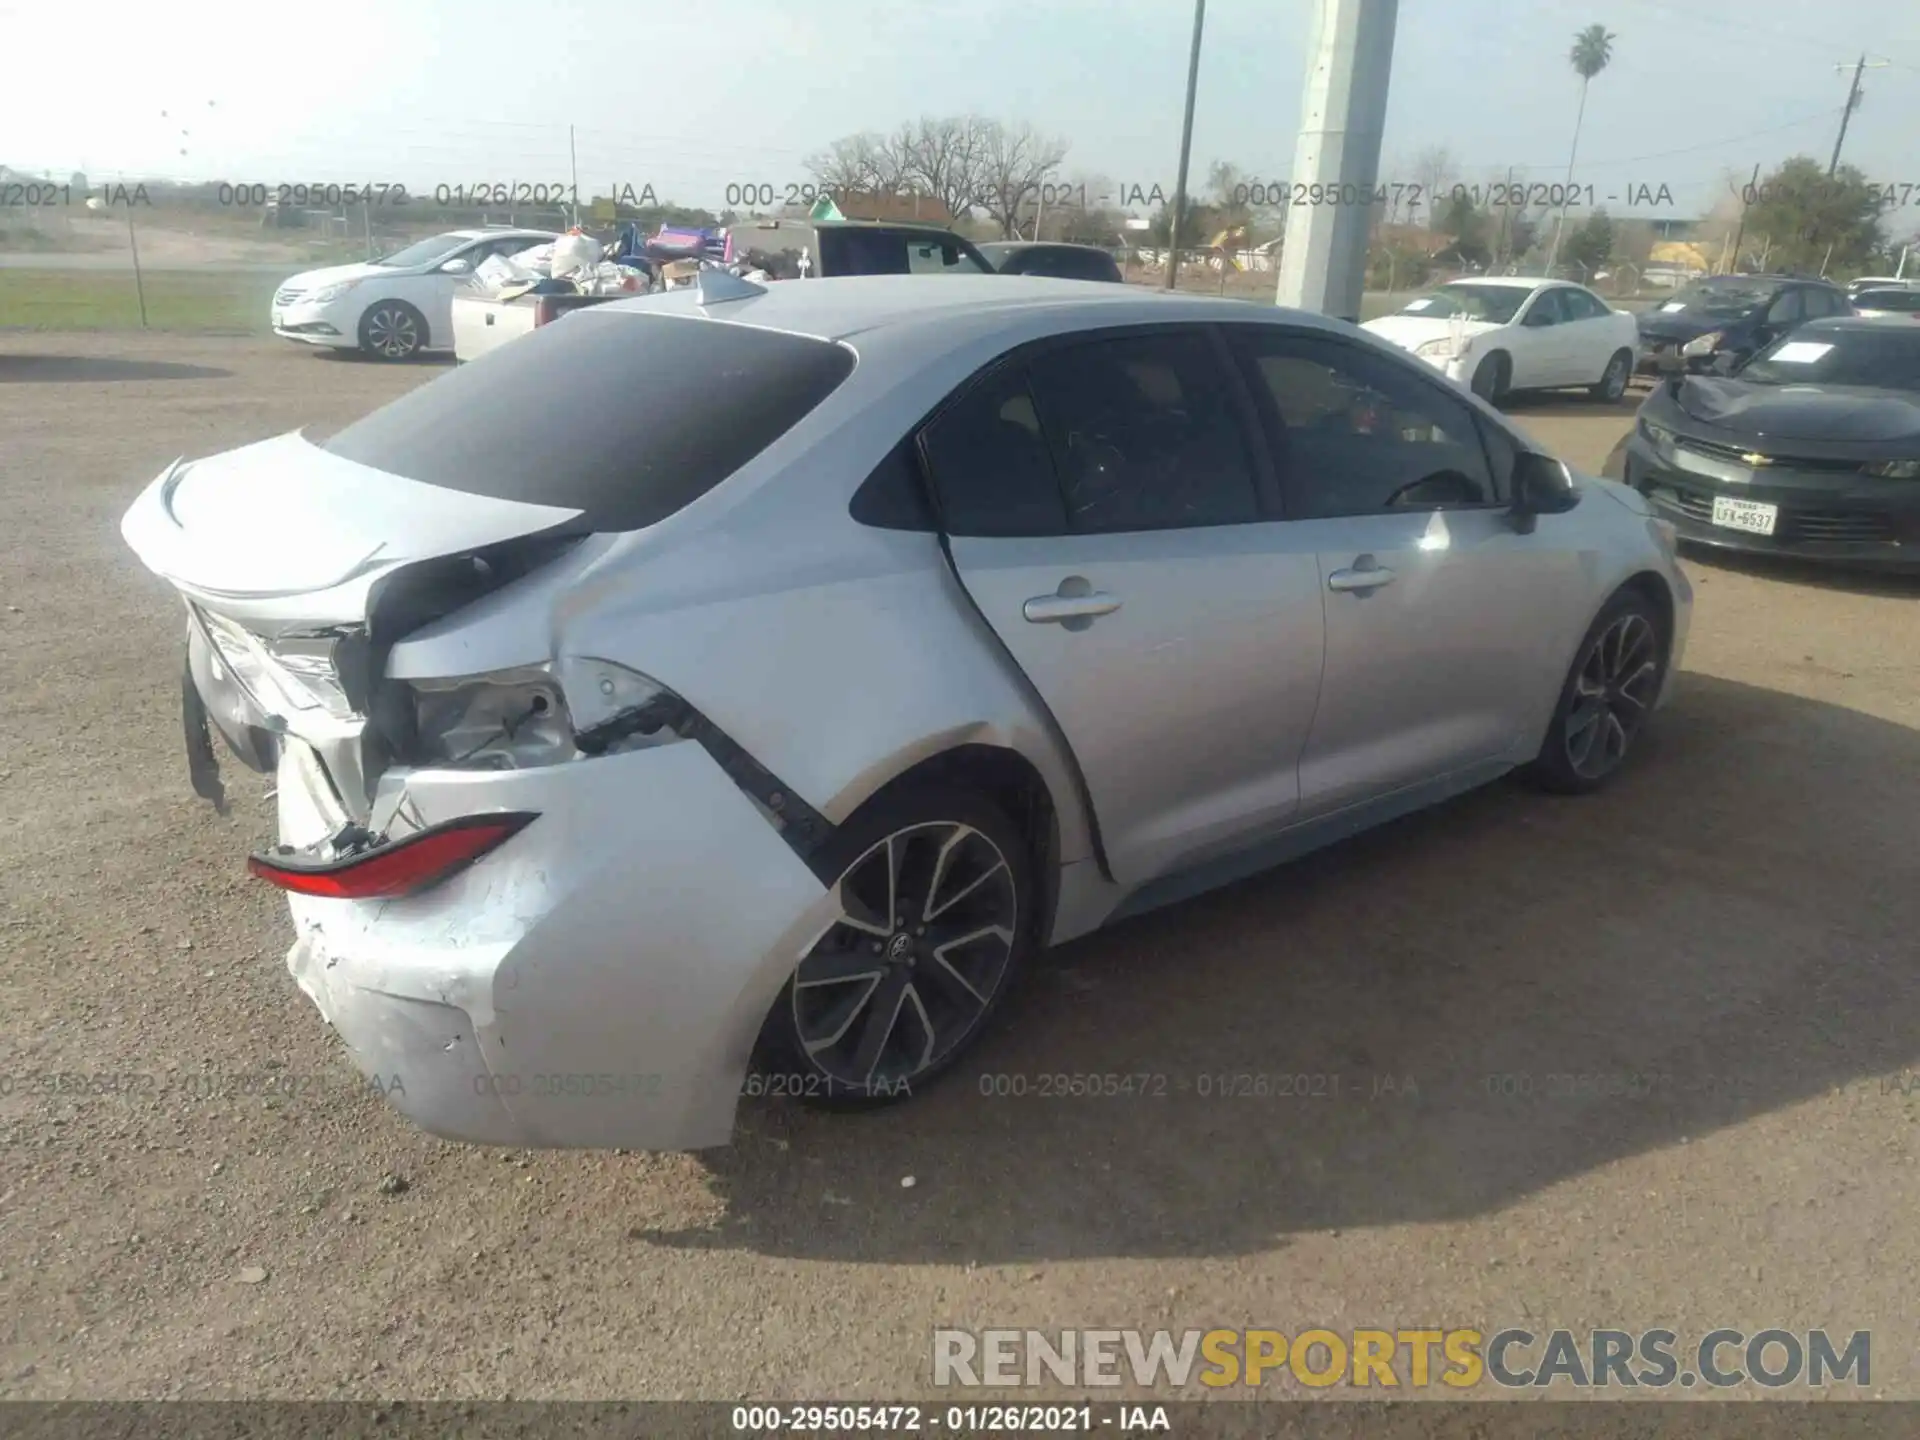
point(1808, 119)
point(1746, 28)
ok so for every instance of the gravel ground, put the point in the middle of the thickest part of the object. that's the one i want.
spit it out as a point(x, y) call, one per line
point(1736, 917)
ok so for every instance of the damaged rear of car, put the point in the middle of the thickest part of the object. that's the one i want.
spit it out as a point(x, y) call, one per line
point(407, 625)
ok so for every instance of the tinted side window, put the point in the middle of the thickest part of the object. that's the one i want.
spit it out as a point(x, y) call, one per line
point(657, 410)
point(1144, 435)
point(1545, 309)
point(1785, 309)
point(1072, 265)
point(990, 465)
point(1355, 434)
point(1582, 306)
point(861, 252)
point(892, 496)
point(936, 256)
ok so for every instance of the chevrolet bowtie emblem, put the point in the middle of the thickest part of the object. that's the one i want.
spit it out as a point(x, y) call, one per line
point(1756, 460)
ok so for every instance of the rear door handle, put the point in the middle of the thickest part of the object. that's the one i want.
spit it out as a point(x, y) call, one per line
point(1058, 609)
point(1364, 575)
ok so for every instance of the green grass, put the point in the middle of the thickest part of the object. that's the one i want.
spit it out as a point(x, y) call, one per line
point(187, 301)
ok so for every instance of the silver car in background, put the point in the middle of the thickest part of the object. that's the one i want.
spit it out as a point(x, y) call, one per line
point(748, 681)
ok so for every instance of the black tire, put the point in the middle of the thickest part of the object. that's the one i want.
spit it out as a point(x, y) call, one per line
point(392, 330)
point(1490, 378)
point(937, 841)
point(1611, 388)
point(1606, 699)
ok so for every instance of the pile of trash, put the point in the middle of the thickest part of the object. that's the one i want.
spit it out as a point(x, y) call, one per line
point(632, 264)
point(575, 264)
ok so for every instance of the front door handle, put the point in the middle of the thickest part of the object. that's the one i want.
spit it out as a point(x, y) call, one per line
point(1365, 574)
point(1064, 609)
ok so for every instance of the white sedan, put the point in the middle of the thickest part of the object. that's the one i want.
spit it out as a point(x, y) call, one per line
point(1497, 334)
point(397, 306)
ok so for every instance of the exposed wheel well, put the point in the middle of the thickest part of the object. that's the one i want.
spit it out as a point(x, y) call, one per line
point(1654, 587)
point(1010, 780)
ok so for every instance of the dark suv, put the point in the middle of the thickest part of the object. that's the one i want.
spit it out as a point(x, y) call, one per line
point(1057, 259)
point(1733, 315)
point(817, 249)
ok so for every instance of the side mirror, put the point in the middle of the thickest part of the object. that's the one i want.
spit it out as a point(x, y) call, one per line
point(456, 267)
point(1542, 485)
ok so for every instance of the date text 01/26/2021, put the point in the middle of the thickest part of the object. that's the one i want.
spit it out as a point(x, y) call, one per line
point(949, 1419)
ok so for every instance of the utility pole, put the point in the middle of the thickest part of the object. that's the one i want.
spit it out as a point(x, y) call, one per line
point(1323, 261)
point(1853, 103)
point(1746, 199)
point(573, 159)
point(1186, 148)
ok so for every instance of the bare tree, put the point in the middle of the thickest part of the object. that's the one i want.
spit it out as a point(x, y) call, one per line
point(1089, 214)
point(945, 159)
point(1013, 165)
point(1433, 172)
point(868, 162)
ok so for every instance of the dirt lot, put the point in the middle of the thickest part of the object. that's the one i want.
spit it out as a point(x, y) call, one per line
point(1736, 919)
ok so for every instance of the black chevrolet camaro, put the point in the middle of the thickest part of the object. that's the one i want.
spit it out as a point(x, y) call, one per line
point(1810, 449)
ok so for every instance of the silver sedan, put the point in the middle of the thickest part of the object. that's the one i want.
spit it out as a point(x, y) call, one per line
point(731, 690)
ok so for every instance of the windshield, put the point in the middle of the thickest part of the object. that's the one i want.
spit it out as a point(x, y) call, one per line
point(1885, 360)
point(1719, 299)
point(422, 252)
point(1906, 301)
point(1495, 303)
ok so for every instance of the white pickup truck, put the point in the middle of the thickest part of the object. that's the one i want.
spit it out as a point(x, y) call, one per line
point(796, 248)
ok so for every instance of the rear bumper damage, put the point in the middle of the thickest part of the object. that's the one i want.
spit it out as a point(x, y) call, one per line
point(599, 980)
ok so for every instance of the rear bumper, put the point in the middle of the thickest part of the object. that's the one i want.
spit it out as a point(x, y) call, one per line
point(598, 981)
point(1833, 522)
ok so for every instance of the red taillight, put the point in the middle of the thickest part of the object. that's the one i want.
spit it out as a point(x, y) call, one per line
point(401, 867)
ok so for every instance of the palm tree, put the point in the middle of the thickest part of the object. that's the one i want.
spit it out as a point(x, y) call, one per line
point(1592, 49)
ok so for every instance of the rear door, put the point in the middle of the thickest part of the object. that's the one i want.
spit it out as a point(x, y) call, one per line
point(1110, 511)
point(1440, 618)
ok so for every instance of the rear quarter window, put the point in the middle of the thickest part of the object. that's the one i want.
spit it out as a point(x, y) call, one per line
point(625, 417)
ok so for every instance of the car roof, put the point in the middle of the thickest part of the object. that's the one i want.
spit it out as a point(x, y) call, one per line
point(1011, 245)
point(1517, 282)
point(1766, 280)
point(837, 309)
point(932, 225)
point(1828, 324)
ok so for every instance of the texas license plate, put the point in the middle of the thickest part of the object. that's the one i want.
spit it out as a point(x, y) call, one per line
point(1749, 515)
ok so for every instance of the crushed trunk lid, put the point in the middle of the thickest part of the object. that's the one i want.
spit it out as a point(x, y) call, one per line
point(283, 534)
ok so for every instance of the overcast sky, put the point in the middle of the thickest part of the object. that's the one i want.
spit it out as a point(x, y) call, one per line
point(692, 98)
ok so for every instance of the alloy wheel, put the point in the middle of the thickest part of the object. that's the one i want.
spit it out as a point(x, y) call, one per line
point(912, 963)
point(392, 332)
point(1613, 692)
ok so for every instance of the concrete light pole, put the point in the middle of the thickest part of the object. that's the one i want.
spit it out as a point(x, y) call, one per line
point(1323, 262)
